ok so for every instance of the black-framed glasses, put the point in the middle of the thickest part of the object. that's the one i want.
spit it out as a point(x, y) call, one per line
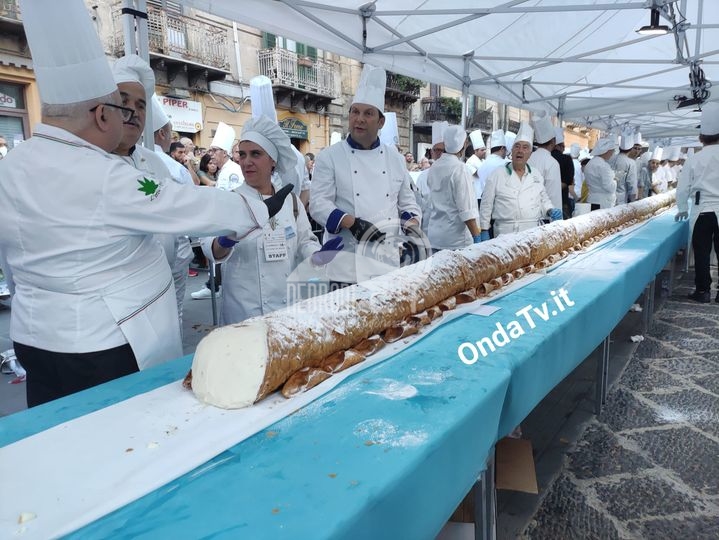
point(127, 113)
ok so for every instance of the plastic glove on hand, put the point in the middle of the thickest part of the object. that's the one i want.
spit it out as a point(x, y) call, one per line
point(274, 203)
point(412, 229)
point(364, 231)
point(483, 236)
point(555, 214)
point(477, 239)
point(681, 216)
point(329, 251)
point(228, 241)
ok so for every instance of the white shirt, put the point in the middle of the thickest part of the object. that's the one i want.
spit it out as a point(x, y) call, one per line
point(544, 163)
point(487, 168)
point(625, 173)
point(230, 176)
point(87, 274)
point(370, 184)
point(515, 203)
point(700, 173)
point(423, 197)
point(473, 164)
point(578, 178)
point(602, 186)
point(251, 285)
point(453, 203)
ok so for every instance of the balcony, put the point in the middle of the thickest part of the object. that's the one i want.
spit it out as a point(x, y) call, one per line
point(482, 120)
point(10, 20)
point(401, 89)
point(438, 109)
point(300, 81)
point(180, 44)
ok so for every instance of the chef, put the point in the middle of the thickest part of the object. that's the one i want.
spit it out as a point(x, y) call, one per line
point(361, 190)
point(625, 168)
point(136, 82)
point(542, 160)
point(515, 196)
point(599, 176)
point(93, 297)
point(699, 182)
point(453, 223)
point(475, 161)
point(229, 174)
point(256, 272)
point(423, 194)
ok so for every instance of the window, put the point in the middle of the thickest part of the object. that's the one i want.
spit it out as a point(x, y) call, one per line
point(13, 114)
point(270, 41)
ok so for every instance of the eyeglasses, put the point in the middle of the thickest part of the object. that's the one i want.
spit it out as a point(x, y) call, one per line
point(127, 114)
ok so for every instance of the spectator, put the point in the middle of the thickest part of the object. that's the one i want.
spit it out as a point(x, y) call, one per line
point(208, 171)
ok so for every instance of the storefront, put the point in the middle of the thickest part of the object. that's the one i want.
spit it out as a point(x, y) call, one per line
point(19, 104)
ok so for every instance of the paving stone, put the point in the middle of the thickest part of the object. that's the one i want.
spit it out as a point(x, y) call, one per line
point(565, 514)
point(600, 454)
point(689, 307)
point(688, 321)
point(687, 366)
point(640, 376)
point(710, 382)
point(634, 498)
point(696, 528)
point(710, 331)
point(651, 348)
point(692, 456)
point(692, 406)
point(672, 333)
point(624, 411)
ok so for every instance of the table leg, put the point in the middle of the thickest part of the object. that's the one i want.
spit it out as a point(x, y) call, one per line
point(213, 294)
point(485, 503)
point(672, 271)
point(602, 378)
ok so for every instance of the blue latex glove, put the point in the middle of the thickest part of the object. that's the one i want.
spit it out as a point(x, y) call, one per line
point(483, 236)
point(329, 251)
point(477, 239)
point(555, 214)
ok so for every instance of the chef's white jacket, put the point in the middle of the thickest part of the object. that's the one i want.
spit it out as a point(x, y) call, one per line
point(599, 178)
point(423, 197)
point(515, 203)
point(625, 174)
point(252, 285)
point(473, 165)
point(544, 163)
point(370, 184)
point(487, 168)
point(453, 203)
point(700, 173)
point(230, 176)
point(75, 232)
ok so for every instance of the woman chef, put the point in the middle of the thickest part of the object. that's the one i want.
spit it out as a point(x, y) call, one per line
point(255, 273)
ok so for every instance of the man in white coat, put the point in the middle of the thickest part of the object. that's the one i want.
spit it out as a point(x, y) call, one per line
point(599, 176)
point(515, 196)
point(625, 169)
point(229, 173)
point(542, 160)
point(361, 190)
point(423, 195)
point(475, 161)
point(453, 224)
point(92, 290)
point(699, 181)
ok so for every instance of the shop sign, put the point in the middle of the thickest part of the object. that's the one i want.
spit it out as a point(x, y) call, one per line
point(7, 101)
point(186, 116)
point(294, 127)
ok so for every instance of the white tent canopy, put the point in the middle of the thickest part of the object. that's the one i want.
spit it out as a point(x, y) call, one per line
point(580, 59)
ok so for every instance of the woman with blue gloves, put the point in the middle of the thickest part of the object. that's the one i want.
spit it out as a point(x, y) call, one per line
point(255, 272)
point(453, 214)
point(514, 196)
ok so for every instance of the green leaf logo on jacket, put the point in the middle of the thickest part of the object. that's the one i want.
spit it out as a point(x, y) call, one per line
point(148, 187)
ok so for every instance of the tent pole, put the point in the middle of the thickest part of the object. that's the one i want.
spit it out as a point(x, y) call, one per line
point(466, 81)
point(560, 109)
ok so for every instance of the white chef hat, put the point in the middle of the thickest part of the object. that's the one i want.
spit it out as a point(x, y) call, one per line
point(262, 99)
point(132, 68)
point(224, 137)
point(559, 135)
point(477, 139)
point(710, 119)
point(604, 145)
point(454, 139)
point(574, 150)
point(159, 116)
point(497, 138)
point(584, 154)
point(389, 134)
point(543, 128)
point(509, 137)
point(526, 133)
point(273, 140)
point(638, 138)
point(626, 142)
point(438, 132)
point(370, 90)
point(69, 62)
point(673, 153)
point(335, 137)
point(657, 153)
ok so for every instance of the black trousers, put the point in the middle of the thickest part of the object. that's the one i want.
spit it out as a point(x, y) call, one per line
point(706, 234)
point(52, 375)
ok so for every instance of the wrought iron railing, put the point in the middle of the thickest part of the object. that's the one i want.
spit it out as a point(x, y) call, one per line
point(289, 69)
point(181, 37)
point(438, 109)
point(404, 85)
point(482, 120)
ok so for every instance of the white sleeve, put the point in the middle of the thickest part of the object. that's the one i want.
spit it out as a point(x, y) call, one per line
point(490, 189)
point(463, 193)
point(684, 188)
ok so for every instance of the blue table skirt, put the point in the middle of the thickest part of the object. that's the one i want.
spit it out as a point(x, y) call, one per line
point(355, 464)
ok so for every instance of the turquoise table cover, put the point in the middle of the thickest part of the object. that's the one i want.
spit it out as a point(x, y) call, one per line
point(357, 464)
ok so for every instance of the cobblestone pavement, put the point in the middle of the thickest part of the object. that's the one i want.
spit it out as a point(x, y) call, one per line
point(648, 466)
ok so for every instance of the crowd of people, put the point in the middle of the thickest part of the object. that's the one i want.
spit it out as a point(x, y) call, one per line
point(106, 236)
